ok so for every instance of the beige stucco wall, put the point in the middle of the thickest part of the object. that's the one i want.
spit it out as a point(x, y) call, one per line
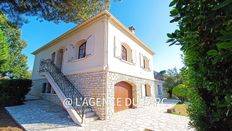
point(91, 62)
point(116, 65)
point(103, 52)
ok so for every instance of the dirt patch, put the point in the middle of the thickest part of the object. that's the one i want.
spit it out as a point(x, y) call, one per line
point(7, 123)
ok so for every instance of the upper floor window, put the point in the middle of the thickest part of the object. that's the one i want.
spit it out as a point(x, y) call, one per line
point(82, 50)
point(124, 53)
point(144, 62)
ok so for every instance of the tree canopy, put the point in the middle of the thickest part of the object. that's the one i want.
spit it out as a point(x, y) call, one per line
point(171, 79)
point(52, 10)
point(4, 49)
point(13, 15)
point(205, 37)
point(15, 64)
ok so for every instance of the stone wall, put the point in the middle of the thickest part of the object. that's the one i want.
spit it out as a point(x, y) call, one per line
point(100, 85)
point(36, 90)
point(136, 83)
point(92, 85)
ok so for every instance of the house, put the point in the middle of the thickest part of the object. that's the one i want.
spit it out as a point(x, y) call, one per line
point(159, 81)
point(99, 60)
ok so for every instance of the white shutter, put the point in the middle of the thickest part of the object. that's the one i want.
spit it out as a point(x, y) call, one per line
point(70, 52)
point(117, 48)
point(143, 91)
point(90, 45)
point(150, 64)
point(134, 58)
point(141, 60)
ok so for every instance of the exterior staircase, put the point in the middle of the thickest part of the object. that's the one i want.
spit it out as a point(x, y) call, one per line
point(70, 97)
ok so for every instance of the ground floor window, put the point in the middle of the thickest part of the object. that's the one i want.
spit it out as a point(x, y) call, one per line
point(46, 88)
point(159, 90)
point(146, 90)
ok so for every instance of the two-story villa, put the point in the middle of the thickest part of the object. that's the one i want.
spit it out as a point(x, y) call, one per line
point(99, 58)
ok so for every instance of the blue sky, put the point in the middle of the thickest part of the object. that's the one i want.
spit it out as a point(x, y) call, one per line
point(150, 19)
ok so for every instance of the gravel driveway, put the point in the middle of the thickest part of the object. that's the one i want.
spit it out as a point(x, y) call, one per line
point(41, 115)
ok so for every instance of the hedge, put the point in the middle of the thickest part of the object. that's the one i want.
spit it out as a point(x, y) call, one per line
point(205, 37)
point(13, 92)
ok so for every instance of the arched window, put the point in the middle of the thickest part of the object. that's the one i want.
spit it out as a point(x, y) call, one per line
point(82, 50)
point(146, 63)
point(124, 53)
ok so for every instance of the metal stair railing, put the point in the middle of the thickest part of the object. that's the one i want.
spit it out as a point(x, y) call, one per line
point(65, 86)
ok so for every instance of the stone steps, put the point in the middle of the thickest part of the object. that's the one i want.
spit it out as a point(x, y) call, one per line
point(65, 89)
point(90, 114)
point(90, 119)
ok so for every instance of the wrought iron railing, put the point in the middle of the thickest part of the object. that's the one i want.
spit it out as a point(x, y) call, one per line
point(65, 86)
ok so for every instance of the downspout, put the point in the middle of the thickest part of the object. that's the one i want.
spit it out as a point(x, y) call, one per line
point(106, 66)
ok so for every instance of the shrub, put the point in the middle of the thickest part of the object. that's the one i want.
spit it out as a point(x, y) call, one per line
point(13, 91)
point(181, 91)
point(205, 37)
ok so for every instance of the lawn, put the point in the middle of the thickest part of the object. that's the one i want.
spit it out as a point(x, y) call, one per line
point(7, 123)
point(180, 109)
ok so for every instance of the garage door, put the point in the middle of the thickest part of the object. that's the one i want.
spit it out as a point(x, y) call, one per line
point(122, 96)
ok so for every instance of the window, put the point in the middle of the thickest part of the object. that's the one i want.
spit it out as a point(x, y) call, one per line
point(53, 57)
point(146, 90)
point(159, 90)
point(144, 62)
point(48, 88)
point(124, 53)
point(82, 50)
point(44, 88)
point(144, 65)
point(52, 91)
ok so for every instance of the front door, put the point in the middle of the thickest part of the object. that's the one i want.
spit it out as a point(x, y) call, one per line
point(53, 57)
point(59, 59)
point(122, 96)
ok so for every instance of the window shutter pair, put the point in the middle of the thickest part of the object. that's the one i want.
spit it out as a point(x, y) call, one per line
point(90, 45)
point(148, 62)
point(72, 49)
point(118, 50)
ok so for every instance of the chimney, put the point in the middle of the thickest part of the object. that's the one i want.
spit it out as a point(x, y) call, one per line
point(132, 29)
